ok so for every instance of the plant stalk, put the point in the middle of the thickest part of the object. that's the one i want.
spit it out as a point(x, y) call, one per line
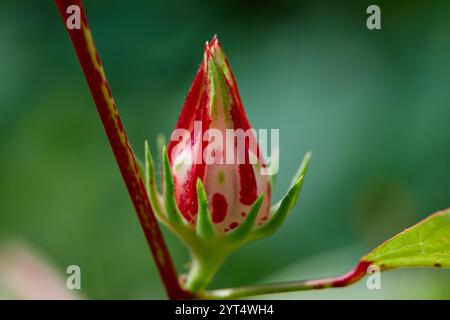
point(88, 57)
point(335, 282)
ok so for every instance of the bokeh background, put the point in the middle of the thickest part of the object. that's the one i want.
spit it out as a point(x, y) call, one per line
point(373, 106)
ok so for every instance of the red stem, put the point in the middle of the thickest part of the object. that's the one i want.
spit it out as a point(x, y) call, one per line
point(347, 279)
point(90, 62)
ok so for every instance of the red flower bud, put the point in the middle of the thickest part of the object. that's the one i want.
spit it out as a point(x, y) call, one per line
point(214, 174)
point(214, 142)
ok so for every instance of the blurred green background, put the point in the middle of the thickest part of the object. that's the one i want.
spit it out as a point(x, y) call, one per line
point(373, 106)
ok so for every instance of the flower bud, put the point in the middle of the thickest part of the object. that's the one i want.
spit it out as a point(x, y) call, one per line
point(216, 195)
point(214, 142)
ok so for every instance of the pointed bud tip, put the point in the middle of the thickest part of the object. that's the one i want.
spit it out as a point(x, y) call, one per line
point(215, 42)
point(207, 55)
point(215, 45)
point(212, 46)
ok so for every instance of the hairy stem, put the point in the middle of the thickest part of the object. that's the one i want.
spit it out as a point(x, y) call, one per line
point(90, 62)
point(335, 282)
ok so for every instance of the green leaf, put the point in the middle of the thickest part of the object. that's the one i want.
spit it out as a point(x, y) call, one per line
point(426, 244)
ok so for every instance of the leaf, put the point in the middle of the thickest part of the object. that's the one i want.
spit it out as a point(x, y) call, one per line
point(426, 244)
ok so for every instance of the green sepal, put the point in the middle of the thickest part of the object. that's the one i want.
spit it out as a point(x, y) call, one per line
point(204, 228)
point(301, 172)
point(150, 184)
point(173, 215)
point(273, 177)
point(241, 233)
point(281, 210)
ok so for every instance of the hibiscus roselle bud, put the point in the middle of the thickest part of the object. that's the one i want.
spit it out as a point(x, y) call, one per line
point(199, 149)
point(216, 180)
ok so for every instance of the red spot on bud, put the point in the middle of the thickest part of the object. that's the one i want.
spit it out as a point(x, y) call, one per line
point(219, 207)
point(233, 225)
point(247, 194)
